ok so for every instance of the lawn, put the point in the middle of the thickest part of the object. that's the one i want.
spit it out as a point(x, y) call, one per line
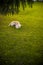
point(22, 46)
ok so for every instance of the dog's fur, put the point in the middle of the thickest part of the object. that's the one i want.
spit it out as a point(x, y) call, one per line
point(16, 24)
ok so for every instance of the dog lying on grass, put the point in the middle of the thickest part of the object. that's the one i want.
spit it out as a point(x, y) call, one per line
point(16, 24)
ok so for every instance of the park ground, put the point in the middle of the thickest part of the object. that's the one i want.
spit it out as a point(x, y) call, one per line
point(22, 46)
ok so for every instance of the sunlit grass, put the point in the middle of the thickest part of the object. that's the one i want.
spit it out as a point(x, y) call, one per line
point(25, 45)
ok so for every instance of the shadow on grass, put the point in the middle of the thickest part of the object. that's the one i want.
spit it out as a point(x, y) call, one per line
point(21, 60)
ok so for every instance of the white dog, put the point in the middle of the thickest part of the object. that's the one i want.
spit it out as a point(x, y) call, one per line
point(16, 24)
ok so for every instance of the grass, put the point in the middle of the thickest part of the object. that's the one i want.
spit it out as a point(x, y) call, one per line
point(22, 46)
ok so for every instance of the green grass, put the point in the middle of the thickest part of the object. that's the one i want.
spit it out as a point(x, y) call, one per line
point(22, 46)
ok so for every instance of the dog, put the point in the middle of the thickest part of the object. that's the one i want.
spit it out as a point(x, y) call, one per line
point(16, 24)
